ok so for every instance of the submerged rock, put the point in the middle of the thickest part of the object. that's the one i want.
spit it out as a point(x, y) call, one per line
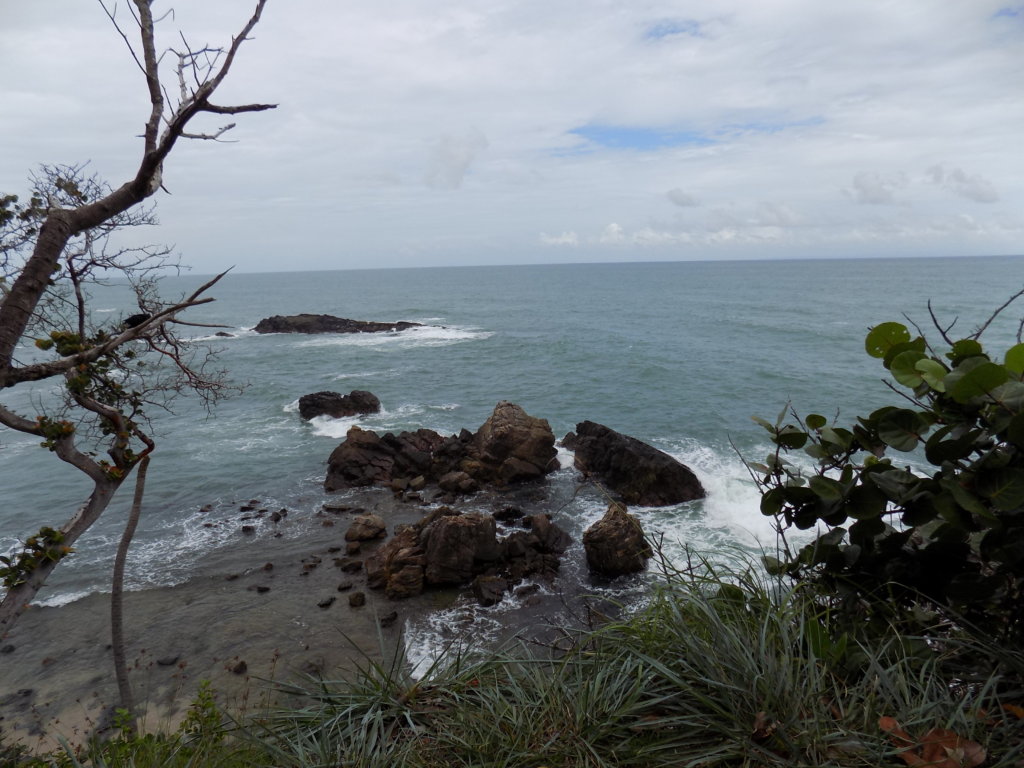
point(639, 473)
point(307, 323)
point(337, 405)
point(615, 545)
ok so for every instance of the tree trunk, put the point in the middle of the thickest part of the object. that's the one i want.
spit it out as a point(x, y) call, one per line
point(124, 687)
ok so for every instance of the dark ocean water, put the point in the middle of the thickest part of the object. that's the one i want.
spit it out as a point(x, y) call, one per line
point(680, 355)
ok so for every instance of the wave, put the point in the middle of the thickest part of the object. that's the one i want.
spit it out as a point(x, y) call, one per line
point(425, 336)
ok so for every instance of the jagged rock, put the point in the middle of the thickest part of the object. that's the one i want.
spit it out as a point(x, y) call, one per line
point(615, 544)
point(366, 458)
point(366, 528)
point(512, 447)
point(337, 405)
point(639, 473)
point(448, 548)
point(458, 546)
point(458, 482)
point(489, 590)
point(307, 323)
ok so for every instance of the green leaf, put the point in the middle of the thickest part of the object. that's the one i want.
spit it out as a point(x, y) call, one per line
point(933, 372)
point(1015, 358)
point(1015, 430)
point(1004, 487)
point(882, 337)
point(976, 382)
point(815, 421)
point(963, 349)
point(917, 345)
point(790, 437)
point(901, 429)
point(904, 368)
point(826, 488)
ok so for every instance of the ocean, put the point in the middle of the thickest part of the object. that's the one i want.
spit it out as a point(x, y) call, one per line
point(679, 355)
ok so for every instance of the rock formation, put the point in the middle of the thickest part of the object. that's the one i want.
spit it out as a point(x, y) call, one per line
point(615, 545)
point(326, 324)
point(447, 548)
point(337, 405)
point(511, 447)
point(639, 473)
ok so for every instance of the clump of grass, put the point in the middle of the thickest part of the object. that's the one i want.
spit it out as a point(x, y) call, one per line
point(718, 669)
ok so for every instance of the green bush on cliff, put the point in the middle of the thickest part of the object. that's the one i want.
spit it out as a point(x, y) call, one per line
point(943, 529)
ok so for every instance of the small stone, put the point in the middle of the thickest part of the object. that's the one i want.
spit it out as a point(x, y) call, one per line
point(345, 586)
point(388, 620)
point(357, 599)
point(327, 602)
point(352, 548)
point(7, 649)
point(248, 529)
point(231, 577)
point(350, 565)
point(268, 567)
point(260, 589)
point(167, 661)
point(327, 523)
point(276, 517)
point(240, 668)
point(246, 508)
point(526, 590)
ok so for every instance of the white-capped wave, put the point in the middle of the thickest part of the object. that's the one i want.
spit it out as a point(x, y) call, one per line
point(425, 336)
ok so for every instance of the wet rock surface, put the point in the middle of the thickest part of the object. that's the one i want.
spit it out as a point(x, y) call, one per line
point(338, 406)
point(638, 473)
point(309, 323)
point(510, 447)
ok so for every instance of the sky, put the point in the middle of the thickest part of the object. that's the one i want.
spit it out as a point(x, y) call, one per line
point(461, 132)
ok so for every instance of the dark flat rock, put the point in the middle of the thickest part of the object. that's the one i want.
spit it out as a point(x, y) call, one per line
point(307, 323)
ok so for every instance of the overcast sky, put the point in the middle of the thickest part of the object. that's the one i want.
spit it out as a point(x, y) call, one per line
point(502, 131)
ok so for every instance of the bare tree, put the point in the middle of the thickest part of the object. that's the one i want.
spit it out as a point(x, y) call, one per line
point(57, 245)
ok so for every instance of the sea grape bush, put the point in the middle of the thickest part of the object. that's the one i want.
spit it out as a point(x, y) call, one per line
point(953, 533)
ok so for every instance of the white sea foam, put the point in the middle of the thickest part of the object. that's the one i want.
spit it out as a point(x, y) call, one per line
point(425, 336)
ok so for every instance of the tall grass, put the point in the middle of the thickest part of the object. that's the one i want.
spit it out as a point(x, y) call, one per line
point(716, 669)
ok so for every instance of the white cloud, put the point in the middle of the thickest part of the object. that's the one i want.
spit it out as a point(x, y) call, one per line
point(451, 158)
point(566, 238)
point(611, 235)
point(775, 106)
point(970, 186)
point(683, 199)
point(876, 189)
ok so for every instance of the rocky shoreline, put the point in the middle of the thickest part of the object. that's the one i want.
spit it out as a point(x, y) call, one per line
point(340, 593)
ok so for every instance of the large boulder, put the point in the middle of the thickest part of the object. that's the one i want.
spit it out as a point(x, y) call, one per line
point(511, 447)
point(366, 458)
point(326, 324)
point(615, 545)
point(459, 546)
point(639, 473)
point(337, 405)
point(447, 548)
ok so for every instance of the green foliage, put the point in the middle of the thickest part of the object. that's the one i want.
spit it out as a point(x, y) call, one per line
point(723, 669)
point(952, 533)
point(46, 546)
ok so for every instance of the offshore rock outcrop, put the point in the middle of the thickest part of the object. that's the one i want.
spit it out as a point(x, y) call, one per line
point(640, 474)
point(448, 548)
point(615, 545)
point(510, 447)
point(308, 323)
point(338, 406)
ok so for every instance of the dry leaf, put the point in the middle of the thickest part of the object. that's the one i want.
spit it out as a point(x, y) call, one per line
point(940, 747)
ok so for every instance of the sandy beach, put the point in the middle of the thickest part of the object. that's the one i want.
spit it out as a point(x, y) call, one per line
point(286, 614)
point(274, 609)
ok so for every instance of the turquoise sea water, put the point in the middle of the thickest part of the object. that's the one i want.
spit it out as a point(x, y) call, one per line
point(680, 355)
